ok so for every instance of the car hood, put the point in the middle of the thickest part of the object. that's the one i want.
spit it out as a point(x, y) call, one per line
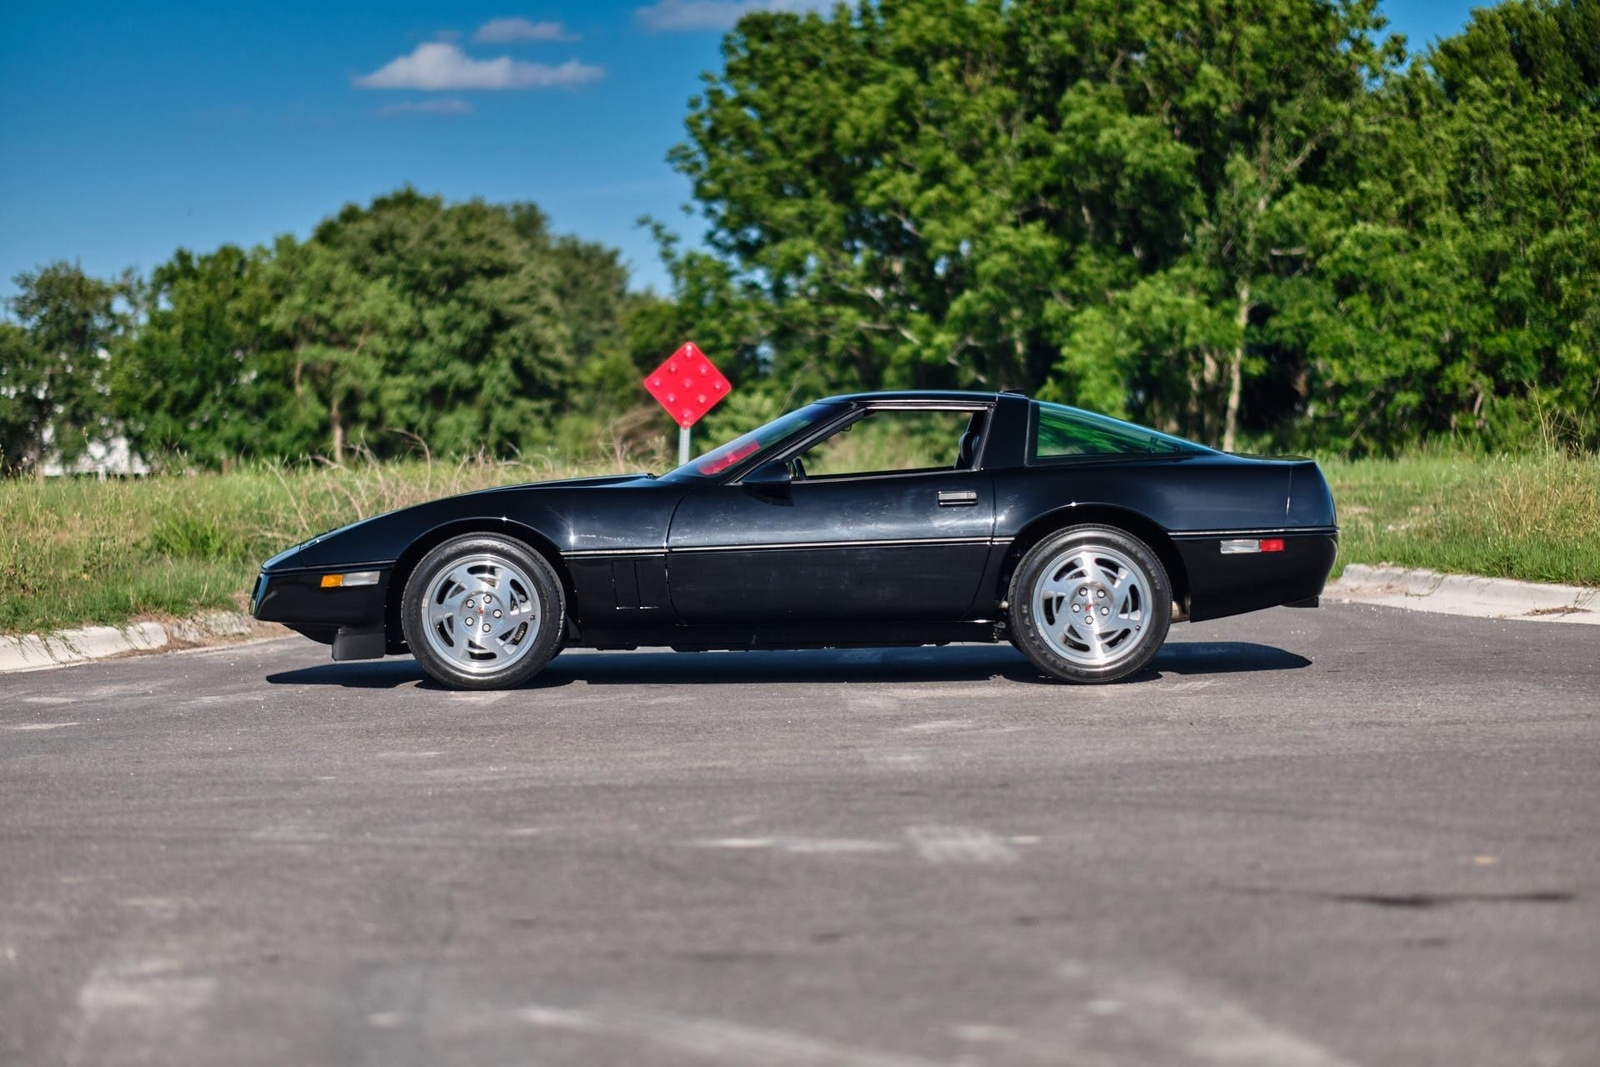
point(417, 517)
point(557, 483)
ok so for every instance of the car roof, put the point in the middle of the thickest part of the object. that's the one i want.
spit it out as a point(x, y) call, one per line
point(932, 396)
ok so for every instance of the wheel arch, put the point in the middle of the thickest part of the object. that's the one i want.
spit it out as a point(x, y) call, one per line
point(1143, 527)
point(489, 527)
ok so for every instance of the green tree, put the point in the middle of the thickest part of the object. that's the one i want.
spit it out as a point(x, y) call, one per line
point(342, 331)
point(484, 356)
point(1248, 99)
point(847, 167)
point(974, 192)
point(24, 405)
point(1459, 294)
point(459, 327)
point(194, 379)
point(57, 384)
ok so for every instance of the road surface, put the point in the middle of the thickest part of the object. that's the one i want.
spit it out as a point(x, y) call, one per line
point(1347, 836)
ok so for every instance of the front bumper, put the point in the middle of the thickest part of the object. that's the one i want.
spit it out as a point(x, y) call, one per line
point(351, 619)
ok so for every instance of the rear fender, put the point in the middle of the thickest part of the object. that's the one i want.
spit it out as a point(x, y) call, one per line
point(1140, 526)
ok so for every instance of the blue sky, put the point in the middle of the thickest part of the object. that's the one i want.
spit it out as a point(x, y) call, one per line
point(128, 131)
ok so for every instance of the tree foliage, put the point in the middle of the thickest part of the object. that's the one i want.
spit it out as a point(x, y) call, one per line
point(407, 323)
point(24, 404)
point(1255, 223)
point(53, 390)
point(1246, 220)
point(195, 378)
point(1458, 292)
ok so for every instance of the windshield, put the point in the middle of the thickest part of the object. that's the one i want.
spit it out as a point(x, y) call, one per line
point(720, 459)
point(1063, 431)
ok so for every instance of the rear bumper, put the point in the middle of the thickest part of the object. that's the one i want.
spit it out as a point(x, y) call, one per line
point(1223, 584)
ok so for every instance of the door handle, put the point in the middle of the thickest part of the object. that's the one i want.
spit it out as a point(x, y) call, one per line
point(957, 498)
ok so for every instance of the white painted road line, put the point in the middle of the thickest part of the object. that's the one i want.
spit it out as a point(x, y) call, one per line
point(712, 1039)
point(480, 699)
point(932, 844)
point(144, 1011)
point(1197, 1025)
point(1116, 1017)
point(800, 846)
point(960, 844)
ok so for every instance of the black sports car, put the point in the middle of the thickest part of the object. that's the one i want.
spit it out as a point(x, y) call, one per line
point(1078, 537)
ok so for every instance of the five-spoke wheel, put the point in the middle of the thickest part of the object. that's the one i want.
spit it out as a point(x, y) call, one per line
point(483, 612)
point(1090, 604)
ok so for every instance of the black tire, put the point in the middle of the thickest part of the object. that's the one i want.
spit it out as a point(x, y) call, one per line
point(1116, 577)
point(483, 612)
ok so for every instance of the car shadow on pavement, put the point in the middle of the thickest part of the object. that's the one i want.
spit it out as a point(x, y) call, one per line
point(1222, 657)
point(368, 674)
point(956, 663)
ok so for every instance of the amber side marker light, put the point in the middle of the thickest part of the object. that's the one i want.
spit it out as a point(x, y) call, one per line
point(347, 581)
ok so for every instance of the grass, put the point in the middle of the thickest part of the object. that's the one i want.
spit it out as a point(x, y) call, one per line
point(1534, 517)
point(74, 552)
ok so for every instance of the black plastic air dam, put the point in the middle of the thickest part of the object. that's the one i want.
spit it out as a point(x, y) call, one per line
point(359, 643)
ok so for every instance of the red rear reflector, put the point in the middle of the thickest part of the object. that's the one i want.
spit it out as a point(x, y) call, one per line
point(1272, 544)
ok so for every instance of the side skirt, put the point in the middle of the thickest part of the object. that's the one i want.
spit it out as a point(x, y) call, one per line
point(772, 637)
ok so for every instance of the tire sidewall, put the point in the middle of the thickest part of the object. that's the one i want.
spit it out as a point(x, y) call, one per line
point(1025, 628)
point(547, 587)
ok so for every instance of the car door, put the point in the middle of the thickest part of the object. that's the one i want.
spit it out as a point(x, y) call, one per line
point(899, 545)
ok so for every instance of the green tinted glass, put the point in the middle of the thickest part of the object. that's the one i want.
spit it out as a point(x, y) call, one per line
point(1063, 431)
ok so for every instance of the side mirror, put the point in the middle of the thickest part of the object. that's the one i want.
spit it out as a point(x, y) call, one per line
point(773, 473)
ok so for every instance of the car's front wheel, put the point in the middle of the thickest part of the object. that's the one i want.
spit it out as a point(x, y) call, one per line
point(483, 612)
point(1090, 604)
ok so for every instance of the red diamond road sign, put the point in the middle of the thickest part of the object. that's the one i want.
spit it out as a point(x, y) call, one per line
point(687, 385)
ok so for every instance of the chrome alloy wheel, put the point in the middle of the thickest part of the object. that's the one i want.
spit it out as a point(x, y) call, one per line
point(1091, 602)
point(481, 613)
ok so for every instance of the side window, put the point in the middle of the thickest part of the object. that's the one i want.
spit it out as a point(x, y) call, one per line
point(890, 442)
point(1061, 431)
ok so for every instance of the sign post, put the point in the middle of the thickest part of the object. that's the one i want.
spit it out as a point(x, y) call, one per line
point(688, 386)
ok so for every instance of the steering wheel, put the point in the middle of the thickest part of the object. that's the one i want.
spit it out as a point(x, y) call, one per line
point(797, 469)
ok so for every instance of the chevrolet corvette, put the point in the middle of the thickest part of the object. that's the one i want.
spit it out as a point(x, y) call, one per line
point(874, 519)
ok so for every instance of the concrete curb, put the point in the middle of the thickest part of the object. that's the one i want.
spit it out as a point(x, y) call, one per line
point(1460, 594)
point(36, 652)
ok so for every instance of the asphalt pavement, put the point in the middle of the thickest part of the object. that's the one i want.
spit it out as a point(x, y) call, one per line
point(1354, 835)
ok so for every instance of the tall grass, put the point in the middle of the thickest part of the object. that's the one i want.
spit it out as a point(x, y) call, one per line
point(1534, 517)
point(77, 551)
point(81, 551)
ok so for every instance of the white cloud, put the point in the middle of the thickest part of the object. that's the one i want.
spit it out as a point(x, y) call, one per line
point(712, 14)
point(440, 66)
point(510, 31)
point(449, 105)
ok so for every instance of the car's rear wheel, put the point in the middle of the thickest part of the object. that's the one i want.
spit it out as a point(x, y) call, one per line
point(483, 612)
point(1090, 604)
